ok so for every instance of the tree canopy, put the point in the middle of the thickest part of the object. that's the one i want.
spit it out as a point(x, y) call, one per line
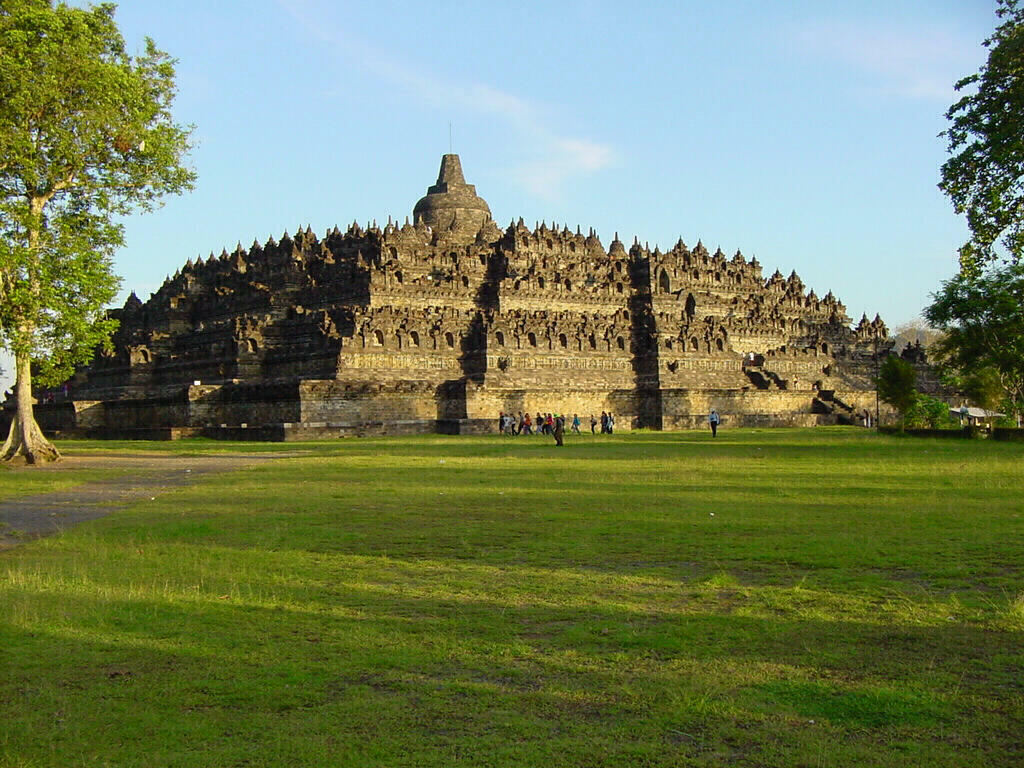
point(914, 331)
point(984, 177)
point(983, 322)
point(86, 134)
point(896, 379)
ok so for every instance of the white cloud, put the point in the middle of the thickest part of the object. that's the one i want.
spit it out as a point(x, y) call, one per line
point(565, 158)
point(921, 62)
point(558, 158)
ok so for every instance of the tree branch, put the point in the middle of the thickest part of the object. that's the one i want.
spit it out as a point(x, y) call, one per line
point(64, 183)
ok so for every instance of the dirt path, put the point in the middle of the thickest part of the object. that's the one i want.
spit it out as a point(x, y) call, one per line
point(133, 476)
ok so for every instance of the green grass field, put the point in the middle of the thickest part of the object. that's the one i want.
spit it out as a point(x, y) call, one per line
point(771, 598)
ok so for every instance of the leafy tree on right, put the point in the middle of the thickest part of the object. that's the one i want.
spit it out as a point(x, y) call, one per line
point(984, 173)
point(980, 311)
point(983, 322)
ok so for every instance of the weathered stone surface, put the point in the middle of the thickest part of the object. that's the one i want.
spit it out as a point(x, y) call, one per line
point(452, 204)
point(439, 324)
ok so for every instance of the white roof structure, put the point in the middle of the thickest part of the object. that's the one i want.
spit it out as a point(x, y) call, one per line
point(976, 413)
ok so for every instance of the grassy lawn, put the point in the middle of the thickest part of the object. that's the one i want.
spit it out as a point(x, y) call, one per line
point(770, 598)
point(25, 481)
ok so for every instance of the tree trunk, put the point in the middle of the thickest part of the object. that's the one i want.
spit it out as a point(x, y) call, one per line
point(25, 441)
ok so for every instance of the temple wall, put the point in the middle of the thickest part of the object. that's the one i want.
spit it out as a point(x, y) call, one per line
point(463, 299)
point(564, 302)
point(680, 370)
point(745, 342)
point(546, 370)
point(357, 402)
point(689, 408)
point(247, 403)
point(397, 366)
point(855, 375)
point(488, 401)
point(64, 416)
point(147, 413)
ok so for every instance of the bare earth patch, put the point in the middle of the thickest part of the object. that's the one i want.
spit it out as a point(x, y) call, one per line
point(133, 476)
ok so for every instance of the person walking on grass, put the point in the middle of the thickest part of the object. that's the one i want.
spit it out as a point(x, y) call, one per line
point(576, 423)
point(593, 423)
point(713, 420)
point(558, 429)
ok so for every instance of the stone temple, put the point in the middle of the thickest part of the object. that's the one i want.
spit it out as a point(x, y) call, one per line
point(439, 324)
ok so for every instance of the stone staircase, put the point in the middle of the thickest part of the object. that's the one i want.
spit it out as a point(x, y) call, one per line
point(762, 378)
point(827, 403)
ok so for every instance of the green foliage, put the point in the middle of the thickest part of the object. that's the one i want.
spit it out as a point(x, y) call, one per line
point(984, 387)
point(1008, 419)
point(984, 176)
point(86, 134)
point(895, 384)
point(927, 412)
point(477, 601)
point(983, 322)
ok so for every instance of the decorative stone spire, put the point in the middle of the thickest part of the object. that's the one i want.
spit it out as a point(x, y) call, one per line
point(452, 204)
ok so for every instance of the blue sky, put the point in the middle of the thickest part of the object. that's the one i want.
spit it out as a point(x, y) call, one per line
point(805, 133)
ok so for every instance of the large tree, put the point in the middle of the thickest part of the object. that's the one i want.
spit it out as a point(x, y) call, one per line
point(895, 383)
point(984, 177)
point(86, 135)
point(982, 319)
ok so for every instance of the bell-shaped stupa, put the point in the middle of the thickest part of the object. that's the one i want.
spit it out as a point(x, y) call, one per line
point(452, 205)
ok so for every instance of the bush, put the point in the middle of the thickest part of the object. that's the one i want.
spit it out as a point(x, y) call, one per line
point(929, 412)
point(1011, 409)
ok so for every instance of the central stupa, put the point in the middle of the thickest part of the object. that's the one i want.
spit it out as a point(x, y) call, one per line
point(452, 204)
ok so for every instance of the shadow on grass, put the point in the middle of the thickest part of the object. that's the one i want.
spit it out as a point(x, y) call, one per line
point(421, 677)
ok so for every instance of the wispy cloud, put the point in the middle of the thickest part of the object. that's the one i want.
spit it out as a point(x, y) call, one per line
point(563, 159)
point(557, 158)
point(920, 62)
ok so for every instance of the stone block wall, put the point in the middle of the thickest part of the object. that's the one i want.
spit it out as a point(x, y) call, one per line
point(347, 402)
point(689, 408)
point(150, 412)
point(486, 402)
point(243, 403)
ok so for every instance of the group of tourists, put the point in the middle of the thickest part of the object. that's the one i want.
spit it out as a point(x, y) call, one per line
point(554, 424)
point(546, 423)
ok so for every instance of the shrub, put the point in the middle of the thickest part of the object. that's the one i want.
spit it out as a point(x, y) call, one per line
point(929, 412)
